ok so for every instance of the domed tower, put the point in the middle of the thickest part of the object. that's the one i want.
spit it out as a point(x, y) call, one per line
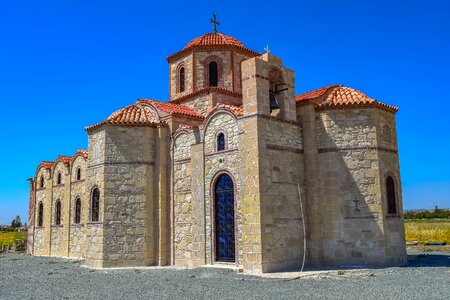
point(207, 71)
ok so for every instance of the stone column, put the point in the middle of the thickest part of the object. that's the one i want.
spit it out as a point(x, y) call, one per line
point(164, 196)
point(198, 204)
point(66, 217)
point(313, 201)
point(31, 216)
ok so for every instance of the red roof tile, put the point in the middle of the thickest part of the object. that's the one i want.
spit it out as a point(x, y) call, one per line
point(238, 111)
point(65, 159)
point(206, 90)
point(172, 108)
point(215, 39)
point(46, 164)
point(80, 152)
point(210, 41)
point(339, 96)
point(132, 115)
point(314, 94)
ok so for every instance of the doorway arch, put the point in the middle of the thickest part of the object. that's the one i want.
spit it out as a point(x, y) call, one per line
point(224, 219)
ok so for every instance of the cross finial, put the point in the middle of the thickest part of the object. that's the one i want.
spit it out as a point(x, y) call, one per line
point(214, 21)
point(267, 49)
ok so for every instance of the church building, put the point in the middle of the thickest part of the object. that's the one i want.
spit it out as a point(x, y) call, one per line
point(234, 170)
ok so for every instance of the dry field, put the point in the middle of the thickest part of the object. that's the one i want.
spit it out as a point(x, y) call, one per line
point(9, 238)
point(427, 231)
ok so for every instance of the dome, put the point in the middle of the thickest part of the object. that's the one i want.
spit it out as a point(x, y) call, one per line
point(340, 96)
point(214, 41)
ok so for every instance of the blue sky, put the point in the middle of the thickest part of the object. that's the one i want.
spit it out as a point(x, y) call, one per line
point(68, 64)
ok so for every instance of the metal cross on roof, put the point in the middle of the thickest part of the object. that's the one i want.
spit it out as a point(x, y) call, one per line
point(214, 21)
point(267, 49)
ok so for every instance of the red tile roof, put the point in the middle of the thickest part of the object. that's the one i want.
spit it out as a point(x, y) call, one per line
point(340, 96)
point(46, 164)
point(172, 108)
point(314, 94)
point(65, 159)
point(132, 115)
point(213, 41)
point(207, 90)
point(80, 152)
point(238, 111)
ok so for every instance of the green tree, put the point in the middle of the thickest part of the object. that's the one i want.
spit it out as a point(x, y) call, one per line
point(16, 222)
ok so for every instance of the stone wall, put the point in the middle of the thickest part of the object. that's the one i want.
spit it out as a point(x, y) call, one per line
point(77, 237)
point(389, 166)
point(202, 60)
point(281, 177)
point(216, 163)
point(95, 177)
point(352, 217)
point(129, 177)
point(182, 193)
point(43, 195)
point(174, 69)
point(58, 232)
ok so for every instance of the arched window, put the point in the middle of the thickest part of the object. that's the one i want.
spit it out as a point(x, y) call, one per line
point(77, 211)
point(58, 180)
point(58, 213)
point(224, 218)
point(95, 205)
point(79, 174)
point(182, 80)
point(42, 181)
point(213, 76)
point(390, 191)
point(41, 214)
point(220, 142)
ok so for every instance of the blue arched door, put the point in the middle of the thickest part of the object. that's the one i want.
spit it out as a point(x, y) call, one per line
point(224, 218)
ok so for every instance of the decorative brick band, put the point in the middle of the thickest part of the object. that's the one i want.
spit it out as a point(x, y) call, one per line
point(263, 77)
point(222, 152)
point(149, 163)
point(270, 118)
point(361, 217)
point(283, 148)
point(181, 161)
point(335, 149)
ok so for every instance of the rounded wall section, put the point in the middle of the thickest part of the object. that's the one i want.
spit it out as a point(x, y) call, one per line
point(224, 122)
point(219, 162)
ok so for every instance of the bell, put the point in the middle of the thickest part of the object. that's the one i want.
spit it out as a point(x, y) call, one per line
point(273, 102)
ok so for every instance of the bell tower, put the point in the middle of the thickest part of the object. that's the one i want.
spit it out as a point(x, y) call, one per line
point(268, 87)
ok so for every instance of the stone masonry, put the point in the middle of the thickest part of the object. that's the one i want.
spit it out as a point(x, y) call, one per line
point(234, 170)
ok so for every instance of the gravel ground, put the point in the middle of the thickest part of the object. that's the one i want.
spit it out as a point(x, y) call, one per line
point(26, 277)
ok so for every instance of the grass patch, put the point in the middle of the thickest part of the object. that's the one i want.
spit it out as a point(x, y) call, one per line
point(51, 262)
point(9, 238)
point(427, 231)
point(341, 273)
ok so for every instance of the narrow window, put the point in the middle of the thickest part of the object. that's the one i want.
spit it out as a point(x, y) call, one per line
point(79, 174)
point(182, 80)
point(58, 213)
point(391, 201)
point(58, 181)
point(95, 205)
point(220, 142)
point(78, 211)
point(42, 181)
point(213, 76)
point(41, 214)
